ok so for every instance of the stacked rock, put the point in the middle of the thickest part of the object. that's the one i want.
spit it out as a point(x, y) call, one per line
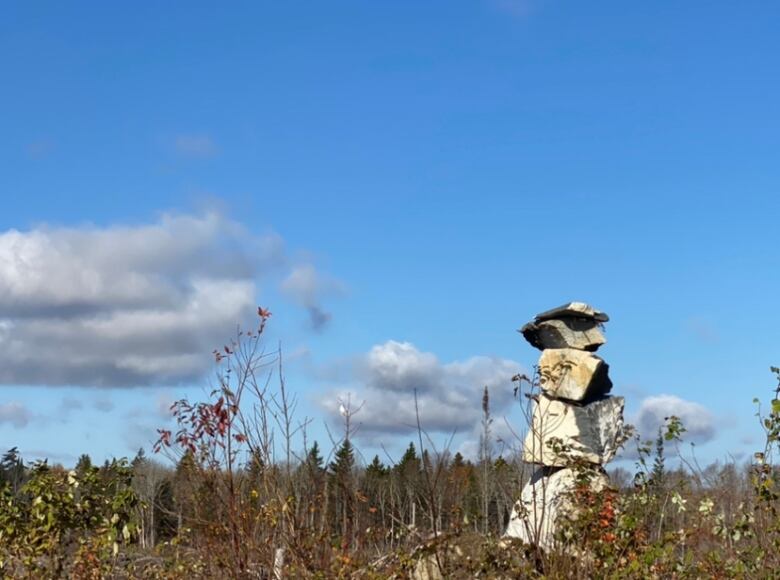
point(574, 420)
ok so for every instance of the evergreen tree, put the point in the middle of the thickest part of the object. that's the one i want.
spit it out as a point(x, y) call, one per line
point(12, 469)
point(344, 461)
point(376, 488)
point(457, 461)
point(185, 488)
point(314, 459)
point(10, 459)
point(84, 464)
point(408, 478)
point(658, 475)
point(139, 458)
point(376, 469)
point(472, 500)
point(166, 520)
point(186, 465)
point(409, 461)
point(340, 470)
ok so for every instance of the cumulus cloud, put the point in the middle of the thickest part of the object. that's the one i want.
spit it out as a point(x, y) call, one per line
point(195, 146)
point(15, 414)
point(306, 286)
point(696, 418)
point(129, 305)
point(448, 394)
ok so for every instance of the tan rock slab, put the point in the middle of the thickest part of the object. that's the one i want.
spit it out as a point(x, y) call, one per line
point(576, 375)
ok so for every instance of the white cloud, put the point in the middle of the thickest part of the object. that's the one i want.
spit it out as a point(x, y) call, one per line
point(127, 305)
point(448, 395)
point(697, 419)
point(14, 413)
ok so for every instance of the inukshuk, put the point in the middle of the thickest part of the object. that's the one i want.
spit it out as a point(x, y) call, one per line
point(575, 424)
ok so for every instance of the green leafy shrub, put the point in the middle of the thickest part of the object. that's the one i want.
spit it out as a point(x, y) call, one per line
point(66, 521)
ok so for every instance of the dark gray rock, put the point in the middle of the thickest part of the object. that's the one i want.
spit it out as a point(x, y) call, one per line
point(579, 333)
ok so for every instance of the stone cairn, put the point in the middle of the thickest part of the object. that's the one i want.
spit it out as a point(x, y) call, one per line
point(574, 420)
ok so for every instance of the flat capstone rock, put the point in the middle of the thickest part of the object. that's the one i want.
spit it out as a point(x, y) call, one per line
point(573, 310)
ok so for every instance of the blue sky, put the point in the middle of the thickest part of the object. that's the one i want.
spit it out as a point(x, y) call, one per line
point(431, 173)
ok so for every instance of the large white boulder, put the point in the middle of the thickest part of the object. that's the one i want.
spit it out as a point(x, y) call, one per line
point(562, 432)
point(577, 375)
point(544, 500)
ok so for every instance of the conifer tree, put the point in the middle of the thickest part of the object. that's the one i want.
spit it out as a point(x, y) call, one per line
point(84, 463)
point(658, 475)
point(139, 458)
point(457, 461)
point(314, 459)
point(408, 458)
point(408, 477)
point(343, 462)
point(340, 470)
point(376, 469)
point(12, 469)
